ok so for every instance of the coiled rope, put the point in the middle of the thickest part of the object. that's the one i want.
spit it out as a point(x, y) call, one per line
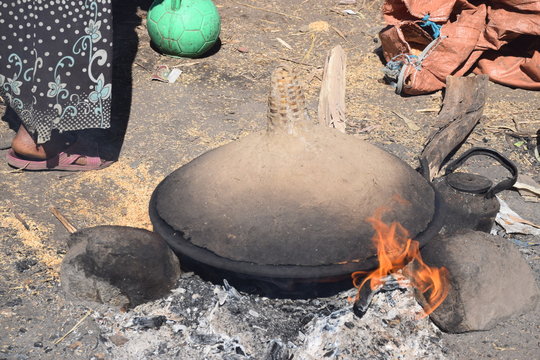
point(396, 68)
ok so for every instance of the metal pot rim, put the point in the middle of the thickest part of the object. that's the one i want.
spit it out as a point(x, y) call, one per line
point(296, 272)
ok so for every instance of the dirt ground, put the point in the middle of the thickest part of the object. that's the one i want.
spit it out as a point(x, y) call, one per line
point(218, 99)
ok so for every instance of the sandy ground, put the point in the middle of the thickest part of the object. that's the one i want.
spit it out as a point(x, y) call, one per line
point(218, 99)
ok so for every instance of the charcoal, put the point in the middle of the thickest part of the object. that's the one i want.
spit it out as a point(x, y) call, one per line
point(149, 322)
point(489, 281)
point(361, 305)
point(277, 351)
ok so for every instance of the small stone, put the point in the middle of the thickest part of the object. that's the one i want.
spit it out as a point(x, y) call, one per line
point(162, 348)
point(222, 298)
point(25, 264)
point(38, 344)
point(118, 340)
point(240, 351)
point(253, 313)
point(179, 327)
point(14, 302)
point(242, 49)
point(75, 345)
point(6, 134)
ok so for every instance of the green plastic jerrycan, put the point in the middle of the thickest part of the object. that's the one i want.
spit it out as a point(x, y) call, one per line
point(186, 28)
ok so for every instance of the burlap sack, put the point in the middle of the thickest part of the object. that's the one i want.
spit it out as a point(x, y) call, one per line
point(500, 38)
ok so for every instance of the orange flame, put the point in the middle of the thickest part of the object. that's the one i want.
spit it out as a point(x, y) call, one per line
point(395, 249)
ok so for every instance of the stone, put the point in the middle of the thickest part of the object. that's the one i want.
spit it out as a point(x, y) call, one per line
point(119, 266)
point(489, 281)
point(118, 340)
point(8, 124)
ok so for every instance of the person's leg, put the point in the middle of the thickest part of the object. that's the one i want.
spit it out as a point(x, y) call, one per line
point(56, 74)
point(24, 145)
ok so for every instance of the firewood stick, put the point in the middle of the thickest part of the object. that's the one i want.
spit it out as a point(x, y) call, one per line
point(70, 228)
point(332, 96)
point(462, 108)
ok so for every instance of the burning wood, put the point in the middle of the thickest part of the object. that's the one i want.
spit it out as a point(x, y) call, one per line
point(395, 249)
point(366, 293)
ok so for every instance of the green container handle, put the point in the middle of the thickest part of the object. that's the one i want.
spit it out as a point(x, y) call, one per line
point(175, 4)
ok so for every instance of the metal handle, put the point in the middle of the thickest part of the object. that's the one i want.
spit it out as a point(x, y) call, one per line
point(509, 165)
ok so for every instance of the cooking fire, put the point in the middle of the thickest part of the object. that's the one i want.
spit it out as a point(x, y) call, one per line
point(400, 266)
point(277, 197)
point(272, 251)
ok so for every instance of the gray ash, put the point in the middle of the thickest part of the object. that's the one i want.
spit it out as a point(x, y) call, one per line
point(206, 321)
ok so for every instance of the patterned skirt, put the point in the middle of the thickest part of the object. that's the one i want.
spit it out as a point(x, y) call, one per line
point(55, 63)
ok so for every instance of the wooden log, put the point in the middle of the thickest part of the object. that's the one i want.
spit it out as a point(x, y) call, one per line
point(332, 95)
point(462, 108)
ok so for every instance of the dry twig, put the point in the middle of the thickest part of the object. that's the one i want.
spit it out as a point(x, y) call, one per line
point(284, 43)
point(142, 67)
point(18, 217)
point(267, 10)
point(70, 228)
point(410, 124)
point(58, 341)
point(313, 38)
point(299, 62)
point(186, 64)
point(339, 32)
point(340, 12)
point(17, 171)
point(522, 134)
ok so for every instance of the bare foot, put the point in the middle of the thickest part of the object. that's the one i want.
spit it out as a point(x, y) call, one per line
point(24, 145)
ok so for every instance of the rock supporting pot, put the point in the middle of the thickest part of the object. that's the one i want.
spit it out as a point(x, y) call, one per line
point(490, 281)
point(118, 265)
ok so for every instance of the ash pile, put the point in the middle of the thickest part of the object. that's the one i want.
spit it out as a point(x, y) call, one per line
point(200, 320)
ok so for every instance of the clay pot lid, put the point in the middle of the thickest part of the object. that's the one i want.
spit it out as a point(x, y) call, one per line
point(297, 194)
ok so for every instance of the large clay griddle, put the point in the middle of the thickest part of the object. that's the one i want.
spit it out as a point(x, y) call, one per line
point(290, 202)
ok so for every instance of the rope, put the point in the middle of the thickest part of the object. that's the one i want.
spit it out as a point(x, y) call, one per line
point(395, 69)
point(432, 28)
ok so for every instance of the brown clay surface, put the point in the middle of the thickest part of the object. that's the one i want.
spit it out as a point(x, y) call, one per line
point(216, 100)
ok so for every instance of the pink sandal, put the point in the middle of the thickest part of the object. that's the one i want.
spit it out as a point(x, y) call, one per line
point(63, 161)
